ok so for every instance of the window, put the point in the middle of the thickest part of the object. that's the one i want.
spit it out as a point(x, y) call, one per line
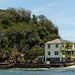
point(62, 45)
point(48, 45)
point(56, 53)
point(49, 53)
point(56, 45)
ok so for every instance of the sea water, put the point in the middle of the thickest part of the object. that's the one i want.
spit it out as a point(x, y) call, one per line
point(38, 72)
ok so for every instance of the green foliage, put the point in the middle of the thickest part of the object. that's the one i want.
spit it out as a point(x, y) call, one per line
point(63, 51)
point(69, 55)
point(34, 19)
point(35, 51)
point(68, 45)
point(28, 35)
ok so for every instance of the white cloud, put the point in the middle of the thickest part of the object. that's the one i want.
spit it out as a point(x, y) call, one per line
point(43, 8)
point(39, 9)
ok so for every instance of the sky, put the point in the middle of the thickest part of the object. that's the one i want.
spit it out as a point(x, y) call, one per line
point(60, 12)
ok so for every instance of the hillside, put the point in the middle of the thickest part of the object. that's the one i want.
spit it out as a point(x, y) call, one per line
point(21, 33)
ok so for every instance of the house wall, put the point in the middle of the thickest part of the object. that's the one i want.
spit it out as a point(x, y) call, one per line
point(52, 50)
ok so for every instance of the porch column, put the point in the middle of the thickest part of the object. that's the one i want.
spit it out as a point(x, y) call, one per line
point(60, 59)
point(71, 52)
point(45, 58)
point(42, 59)
point(60, 53)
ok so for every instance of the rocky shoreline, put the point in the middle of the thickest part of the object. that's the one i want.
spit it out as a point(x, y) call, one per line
point(24, 65)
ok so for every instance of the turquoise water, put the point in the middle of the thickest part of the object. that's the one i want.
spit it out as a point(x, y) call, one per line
point(38, 72)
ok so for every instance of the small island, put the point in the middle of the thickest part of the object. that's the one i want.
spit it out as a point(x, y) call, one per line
point(24, 39)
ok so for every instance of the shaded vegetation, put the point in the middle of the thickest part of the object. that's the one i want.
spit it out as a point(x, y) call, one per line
point(19, 31)
point(65, 51)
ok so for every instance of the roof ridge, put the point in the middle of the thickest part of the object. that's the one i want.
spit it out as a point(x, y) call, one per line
point(58, 41)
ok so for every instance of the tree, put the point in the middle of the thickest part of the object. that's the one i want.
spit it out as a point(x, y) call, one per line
point(25, 15)
point(68, 46)
point(24, 33)
point(34, 19)
point(42, 18)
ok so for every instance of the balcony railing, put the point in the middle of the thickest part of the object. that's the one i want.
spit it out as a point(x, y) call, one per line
point(70, 50)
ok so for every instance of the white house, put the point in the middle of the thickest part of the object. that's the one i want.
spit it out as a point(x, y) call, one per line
point(53, 50)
